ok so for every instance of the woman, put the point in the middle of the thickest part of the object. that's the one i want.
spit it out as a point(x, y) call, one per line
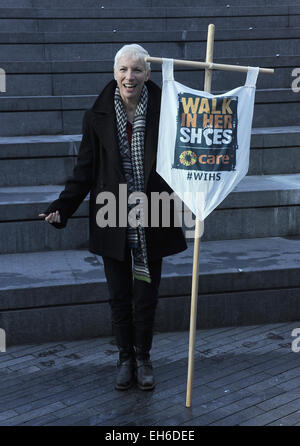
point(118, 147)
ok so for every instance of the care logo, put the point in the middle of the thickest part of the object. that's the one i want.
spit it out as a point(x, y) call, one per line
point(206, 137)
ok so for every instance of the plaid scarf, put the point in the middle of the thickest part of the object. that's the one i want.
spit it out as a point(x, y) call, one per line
point(133, 167)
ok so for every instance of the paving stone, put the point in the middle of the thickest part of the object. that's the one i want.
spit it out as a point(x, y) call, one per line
point(11, 362)
point(279, 400)
point(290, 420)
point(233, 383)
point(40, 421)
point(7, 414)
point(12, 421)
point(291, 383)
point(238, 417)
point(273, 415)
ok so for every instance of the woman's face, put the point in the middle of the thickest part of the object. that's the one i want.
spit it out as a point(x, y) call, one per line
point(130, 74)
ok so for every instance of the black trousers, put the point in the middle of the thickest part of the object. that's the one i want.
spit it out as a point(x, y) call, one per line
point(133, 303)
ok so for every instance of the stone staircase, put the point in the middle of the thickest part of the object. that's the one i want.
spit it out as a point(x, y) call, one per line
point(57, 56)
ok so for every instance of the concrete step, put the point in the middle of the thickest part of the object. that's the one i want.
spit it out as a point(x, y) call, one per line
point(145, 19)
point(48, 115)
point(138, 3)
point(260, 206)
point(42, 160)
point(37, 160)
point(273, 150)
point(34, 78)
point(177, 44)
point(48, 296)
point(161, 10)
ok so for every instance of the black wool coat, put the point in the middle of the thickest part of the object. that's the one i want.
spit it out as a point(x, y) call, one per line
point(99, 168)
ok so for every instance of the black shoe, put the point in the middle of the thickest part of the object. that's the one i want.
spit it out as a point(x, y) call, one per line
point(144, 374)
point(125, 376)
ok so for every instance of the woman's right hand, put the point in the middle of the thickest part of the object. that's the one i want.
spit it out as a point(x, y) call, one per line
point(53, 217)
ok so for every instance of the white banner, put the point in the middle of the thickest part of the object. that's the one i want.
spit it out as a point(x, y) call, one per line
point(204, 140)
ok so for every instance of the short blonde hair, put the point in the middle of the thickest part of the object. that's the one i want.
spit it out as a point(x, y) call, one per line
point(134, 50)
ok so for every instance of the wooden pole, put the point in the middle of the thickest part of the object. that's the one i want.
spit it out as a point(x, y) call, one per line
point(212, 66)
point(198, 233)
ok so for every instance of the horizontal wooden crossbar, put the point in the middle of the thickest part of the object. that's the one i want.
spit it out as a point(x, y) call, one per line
point(209, 65)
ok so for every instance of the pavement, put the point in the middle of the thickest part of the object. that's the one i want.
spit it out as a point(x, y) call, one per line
point(244, 376)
